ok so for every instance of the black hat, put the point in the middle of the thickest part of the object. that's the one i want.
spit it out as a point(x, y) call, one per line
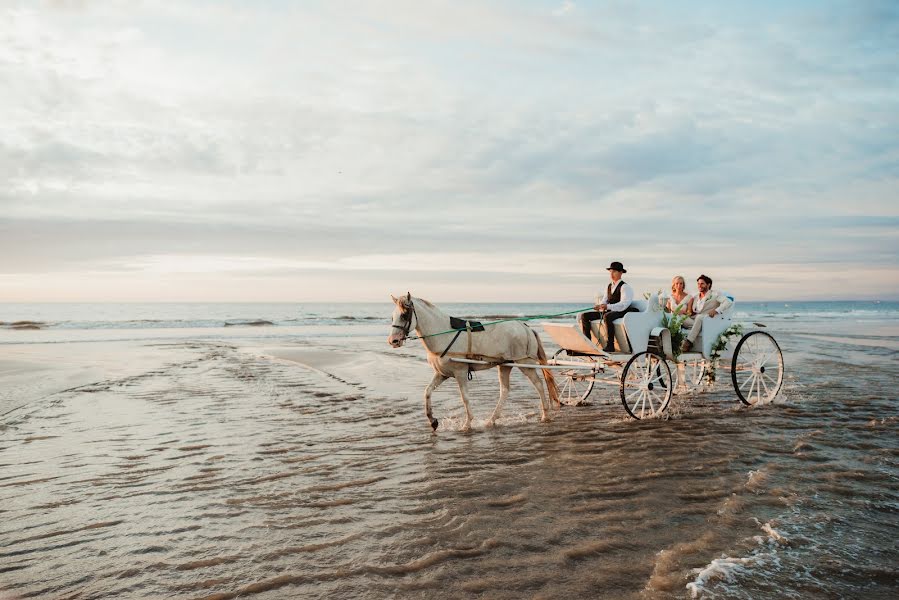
point(617, 266)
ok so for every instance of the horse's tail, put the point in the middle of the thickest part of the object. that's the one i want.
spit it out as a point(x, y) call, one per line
point(547, 373)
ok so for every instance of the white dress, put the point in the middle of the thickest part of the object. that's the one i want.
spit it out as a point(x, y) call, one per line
point(682, 305)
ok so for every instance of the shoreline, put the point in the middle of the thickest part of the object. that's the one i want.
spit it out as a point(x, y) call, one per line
point(34, 369)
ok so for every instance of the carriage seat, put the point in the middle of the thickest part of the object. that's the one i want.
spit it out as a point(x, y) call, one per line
point(633, 329)
point(712, 327)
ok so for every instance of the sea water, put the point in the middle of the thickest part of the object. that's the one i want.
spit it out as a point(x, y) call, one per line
point(210, 315)
point(209, 468)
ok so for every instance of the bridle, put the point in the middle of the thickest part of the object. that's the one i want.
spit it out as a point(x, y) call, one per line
point(409, 314)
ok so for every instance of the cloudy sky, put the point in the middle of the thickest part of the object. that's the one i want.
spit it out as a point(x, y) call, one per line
point(467, 151)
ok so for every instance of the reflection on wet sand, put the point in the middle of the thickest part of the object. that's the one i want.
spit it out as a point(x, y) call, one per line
point(228, 471)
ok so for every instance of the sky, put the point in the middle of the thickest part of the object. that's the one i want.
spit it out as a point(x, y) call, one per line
point(463, 150)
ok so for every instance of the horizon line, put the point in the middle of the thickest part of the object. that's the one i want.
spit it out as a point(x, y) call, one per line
point(856, 300)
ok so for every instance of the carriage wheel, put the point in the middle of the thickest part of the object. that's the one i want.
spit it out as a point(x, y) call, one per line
point(577, 383)
point(646, 385)
point(694, 371)
point(757, 368)
point(687, 374)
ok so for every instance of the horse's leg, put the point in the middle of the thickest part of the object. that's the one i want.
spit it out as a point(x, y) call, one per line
point(538, 385)
point(462, 380)
point(435, 382)
point(504, 373)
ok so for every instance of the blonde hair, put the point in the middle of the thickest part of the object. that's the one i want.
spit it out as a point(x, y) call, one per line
point(677, 278)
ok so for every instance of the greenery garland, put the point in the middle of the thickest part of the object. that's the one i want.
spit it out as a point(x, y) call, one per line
point(718, 347)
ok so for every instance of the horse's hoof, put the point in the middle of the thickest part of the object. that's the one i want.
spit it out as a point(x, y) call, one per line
point(434, 424)
point(490, 423)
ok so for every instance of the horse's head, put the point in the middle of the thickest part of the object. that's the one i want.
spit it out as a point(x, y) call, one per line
point(403, 320)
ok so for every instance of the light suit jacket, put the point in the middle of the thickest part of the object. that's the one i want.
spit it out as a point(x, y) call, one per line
point(714, 300)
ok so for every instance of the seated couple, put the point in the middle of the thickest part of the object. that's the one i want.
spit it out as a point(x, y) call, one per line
point(706, 303)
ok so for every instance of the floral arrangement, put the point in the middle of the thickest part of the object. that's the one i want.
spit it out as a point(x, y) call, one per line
point(718, 347)
point(674, 322)
point(721, 343)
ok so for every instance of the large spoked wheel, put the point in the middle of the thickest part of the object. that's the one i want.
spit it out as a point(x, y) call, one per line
point(757, 368)
point(646, 385)
point(576, 383)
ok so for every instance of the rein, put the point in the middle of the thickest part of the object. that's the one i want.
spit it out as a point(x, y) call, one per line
point(405, 328)
point(461, 329)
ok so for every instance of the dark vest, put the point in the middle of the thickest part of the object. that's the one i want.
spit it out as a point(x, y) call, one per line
point(616, 295)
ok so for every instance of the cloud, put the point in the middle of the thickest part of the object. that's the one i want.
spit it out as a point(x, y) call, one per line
point(527, 142)
point(566, 8)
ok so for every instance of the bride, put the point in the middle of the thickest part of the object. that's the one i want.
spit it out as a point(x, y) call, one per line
point(680, 302)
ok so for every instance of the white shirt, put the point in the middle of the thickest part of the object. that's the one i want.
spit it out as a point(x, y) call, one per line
point(699, 303)
point(627, 296)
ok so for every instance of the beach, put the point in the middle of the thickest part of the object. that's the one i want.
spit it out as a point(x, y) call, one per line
point(148, 457)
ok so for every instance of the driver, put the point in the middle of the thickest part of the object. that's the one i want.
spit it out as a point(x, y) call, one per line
point(615, 303)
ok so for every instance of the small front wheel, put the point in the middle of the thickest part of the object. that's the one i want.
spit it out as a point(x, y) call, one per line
point(694, 371)
point(757, 368)
point(577, 382)
point(646, 385)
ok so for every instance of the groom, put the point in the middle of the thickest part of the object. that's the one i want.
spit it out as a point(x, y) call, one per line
point(708, 303)
point(615, 303)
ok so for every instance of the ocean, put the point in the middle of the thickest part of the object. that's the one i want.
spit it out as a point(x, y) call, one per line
point(281, 451)
point(175, 316)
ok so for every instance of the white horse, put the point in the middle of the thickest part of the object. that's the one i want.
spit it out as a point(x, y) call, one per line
point(510, 341)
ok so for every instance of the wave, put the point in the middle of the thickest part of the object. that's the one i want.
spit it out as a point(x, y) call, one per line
point(189, 323)
point(351, 318)
point(740, 313)
point(252, 323)
point(212, 315)
point(492, 317)
point(23, 325)
point(725, 569)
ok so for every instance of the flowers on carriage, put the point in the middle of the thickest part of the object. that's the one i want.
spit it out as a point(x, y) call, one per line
point(735, 330)
point(674, 323)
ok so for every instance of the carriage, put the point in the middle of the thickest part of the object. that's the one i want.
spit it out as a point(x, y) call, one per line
point(647, 370)
point(644, 366)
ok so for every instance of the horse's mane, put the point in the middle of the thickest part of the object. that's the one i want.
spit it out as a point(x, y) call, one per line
point(425, 302)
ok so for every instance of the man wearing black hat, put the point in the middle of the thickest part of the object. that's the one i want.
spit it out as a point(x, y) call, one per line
point(615, 303)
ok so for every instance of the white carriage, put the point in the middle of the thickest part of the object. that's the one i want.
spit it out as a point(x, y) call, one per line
point(646, 370)
point(641, 366)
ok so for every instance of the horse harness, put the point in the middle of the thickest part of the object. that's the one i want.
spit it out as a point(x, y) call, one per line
point(459, 325)
point(408, 326)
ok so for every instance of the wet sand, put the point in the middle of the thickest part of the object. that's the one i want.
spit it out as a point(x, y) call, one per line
point(306, 468)
point(30, 373)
